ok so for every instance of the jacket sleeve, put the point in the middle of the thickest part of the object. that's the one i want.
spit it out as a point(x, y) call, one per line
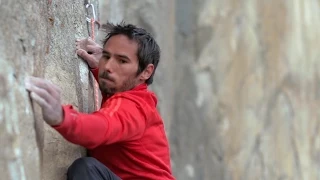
point(95, 73)
point(120, 120)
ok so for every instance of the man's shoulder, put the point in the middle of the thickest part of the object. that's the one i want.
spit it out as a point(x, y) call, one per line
point(133, 98)
point(127, 96)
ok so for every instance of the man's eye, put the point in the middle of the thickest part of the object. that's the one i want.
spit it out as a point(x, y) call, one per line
point(106, 57)
point(122, 61)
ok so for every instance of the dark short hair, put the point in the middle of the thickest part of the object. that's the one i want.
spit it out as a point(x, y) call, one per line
point(148, 49)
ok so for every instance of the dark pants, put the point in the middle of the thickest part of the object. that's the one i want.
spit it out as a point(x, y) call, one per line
point(88, 168)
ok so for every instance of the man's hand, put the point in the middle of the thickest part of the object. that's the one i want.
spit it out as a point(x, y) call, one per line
point(89, 51)
point(47, 95)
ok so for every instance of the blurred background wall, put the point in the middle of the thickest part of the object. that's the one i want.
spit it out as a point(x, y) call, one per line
point(238, 84)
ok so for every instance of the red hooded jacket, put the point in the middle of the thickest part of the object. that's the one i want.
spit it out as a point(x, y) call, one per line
point(127, 134)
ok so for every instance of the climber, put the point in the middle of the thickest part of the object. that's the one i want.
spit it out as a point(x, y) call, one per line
point(125, 138)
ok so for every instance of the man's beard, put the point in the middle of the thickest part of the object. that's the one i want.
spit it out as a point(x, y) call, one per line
point(109, 91)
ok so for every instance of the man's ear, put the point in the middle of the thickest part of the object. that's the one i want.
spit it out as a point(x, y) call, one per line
point(147, 72)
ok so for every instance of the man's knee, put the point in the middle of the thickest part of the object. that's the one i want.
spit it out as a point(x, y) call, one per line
point(82, 164)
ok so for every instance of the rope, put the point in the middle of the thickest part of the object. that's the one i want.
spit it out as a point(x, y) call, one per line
point(96, 85)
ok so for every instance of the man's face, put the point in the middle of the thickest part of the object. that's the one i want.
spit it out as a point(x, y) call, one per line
point(118, 65)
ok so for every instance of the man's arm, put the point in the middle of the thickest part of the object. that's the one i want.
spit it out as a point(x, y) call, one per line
point(121, 120)
point(95, 73)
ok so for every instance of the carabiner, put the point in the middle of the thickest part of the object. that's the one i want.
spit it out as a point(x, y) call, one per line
point(93, 12)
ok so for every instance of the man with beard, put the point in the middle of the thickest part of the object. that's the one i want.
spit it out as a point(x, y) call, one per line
point(125, 138)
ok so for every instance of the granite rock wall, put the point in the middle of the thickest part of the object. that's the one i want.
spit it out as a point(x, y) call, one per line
point(37, 39)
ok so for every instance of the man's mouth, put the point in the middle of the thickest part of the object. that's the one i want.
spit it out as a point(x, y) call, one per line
point(104, 76)
point(106, 79)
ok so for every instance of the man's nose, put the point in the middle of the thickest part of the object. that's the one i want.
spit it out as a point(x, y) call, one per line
point(108, 65)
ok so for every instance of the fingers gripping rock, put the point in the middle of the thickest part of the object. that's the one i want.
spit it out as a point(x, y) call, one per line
point(91, 59)
point(47, 95)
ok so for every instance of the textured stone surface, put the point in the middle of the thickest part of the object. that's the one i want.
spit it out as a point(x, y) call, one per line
point(66, 23)
point(37, 38)
point(19, 55)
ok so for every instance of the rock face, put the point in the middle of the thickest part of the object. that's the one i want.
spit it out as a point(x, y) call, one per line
point(64, 68)
point(20, 53)
point(37, 38)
